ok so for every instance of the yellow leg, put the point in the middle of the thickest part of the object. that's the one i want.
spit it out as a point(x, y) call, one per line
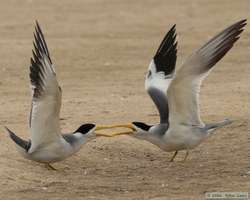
point(50, 167)
point(175, 154)
point(187, 153)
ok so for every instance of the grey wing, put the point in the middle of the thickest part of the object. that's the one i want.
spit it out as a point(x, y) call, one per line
point(160, 73)
point(46, 101)
point(184, 90)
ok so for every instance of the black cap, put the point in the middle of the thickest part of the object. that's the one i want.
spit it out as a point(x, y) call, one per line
point(85, 128)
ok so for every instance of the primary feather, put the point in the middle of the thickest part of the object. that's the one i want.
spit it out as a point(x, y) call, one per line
point(184, 89)
point(160, 73)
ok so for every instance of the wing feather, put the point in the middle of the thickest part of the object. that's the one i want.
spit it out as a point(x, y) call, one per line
point(46, 100)
point(184, 89)
point(160, 73)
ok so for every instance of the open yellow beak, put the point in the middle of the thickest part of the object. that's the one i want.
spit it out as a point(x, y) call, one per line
point(113, 134)
point(101, 127)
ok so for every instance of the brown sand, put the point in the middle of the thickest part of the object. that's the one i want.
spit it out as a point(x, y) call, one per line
point(102, 49)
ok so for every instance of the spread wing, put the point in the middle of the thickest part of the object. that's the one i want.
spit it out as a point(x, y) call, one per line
point(183, 91)
point(46, 101)
point(160, 73)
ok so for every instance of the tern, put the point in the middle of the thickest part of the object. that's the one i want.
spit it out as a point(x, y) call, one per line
point(176, 95)
point(47, 144)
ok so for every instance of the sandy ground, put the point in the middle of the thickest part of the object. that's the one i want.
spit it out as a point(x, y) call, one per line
point(102, 49)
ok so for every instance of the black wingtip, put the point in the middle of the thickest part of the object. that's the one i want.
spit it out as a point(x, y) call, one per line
point(40, 43)
point(40, 52)
point(241, 24)
point(224, 41)
point(11, 134)
point(166, 54)
point(38, 27)
point(243, 21)
point(7, 129)
point(36, 23)
point(19, 141)
point(167, 39)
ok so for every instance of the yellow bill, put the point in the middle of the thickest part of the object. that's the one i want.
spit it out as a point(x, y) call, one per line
point(101, 127)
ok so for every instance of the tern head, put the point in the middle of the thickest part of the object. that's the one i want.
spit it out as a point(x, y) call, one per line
point(145, 131)
point(90, 130)
point(139, 130)
point(86, 131)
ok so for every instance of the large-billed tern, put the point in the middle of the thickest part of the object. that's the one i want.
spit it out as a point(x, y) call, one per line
point(47, 144)
point(176, 96)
